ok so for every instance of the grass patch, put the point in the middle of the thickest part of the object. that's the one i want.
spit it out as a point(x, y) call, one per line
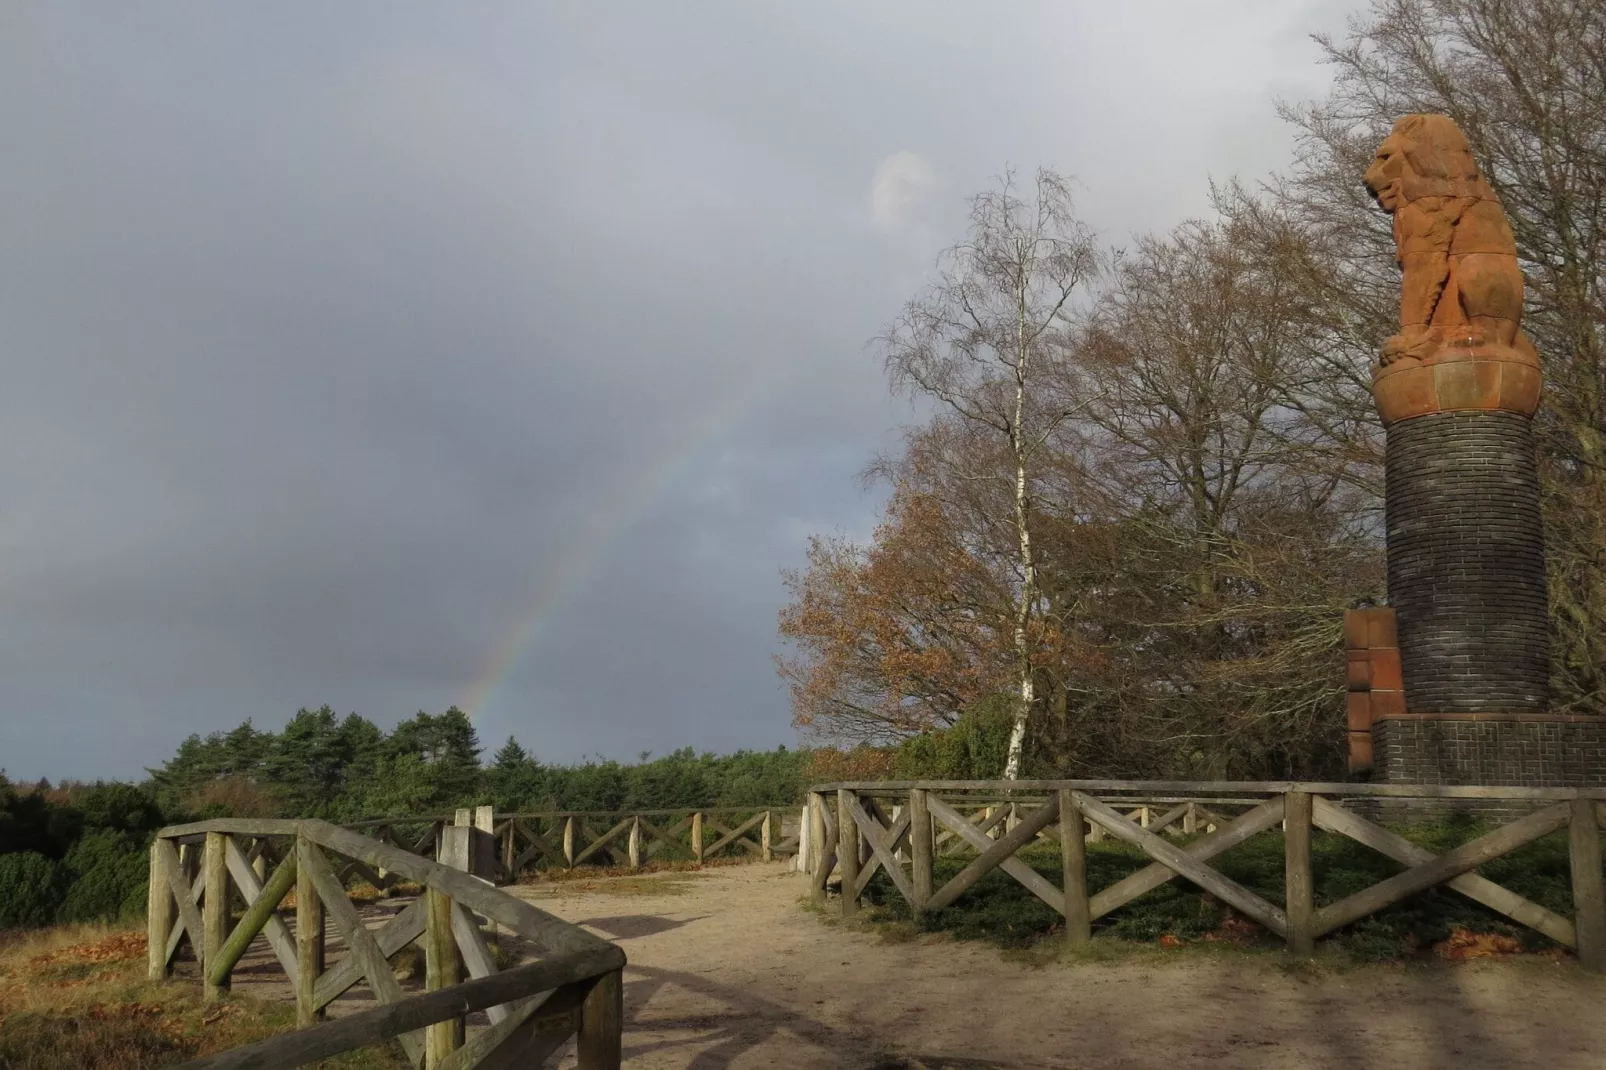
point(76, 997)
point(1002, 912)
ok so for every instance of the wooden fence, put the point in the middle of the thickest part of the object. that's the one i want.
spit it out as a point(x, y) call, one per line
point(565, 839)
point(573, 989)
point(860, 829)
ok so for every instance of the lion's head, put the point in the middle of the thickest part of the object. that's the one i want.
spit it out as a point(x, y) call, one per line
point(1424, 156)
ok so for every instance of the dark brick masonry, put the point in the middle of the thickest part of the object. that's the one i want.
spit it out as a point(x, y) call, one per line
point(1536, 751)
point(1466, 566)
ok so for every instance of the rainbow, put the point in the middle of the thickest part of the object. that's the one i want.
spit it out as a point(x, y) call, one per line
point(574, 564)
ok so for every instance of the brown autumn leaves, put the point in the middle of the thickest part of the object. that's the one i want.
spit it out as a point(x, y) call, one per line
point(1152, 479)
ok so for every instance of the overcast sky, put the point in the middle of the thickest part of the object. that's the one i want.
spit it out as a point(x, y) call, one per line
point(393, 356)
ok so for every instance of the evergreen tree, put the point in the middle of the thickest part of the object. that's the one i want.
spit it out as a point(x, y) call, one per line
point(514, 779)
point(308, 761)
point(510, 755)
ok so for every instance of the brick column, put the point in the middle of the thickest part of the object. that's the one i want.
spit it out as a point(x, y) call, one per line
point(1466, 563)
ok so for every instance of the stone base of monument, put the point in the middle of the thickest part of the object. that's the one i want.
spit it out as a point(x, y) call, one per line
point(1533, 750)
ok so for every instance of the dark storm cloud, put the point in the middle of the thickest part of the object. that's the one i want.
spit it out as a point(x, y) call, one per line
point(332, 335)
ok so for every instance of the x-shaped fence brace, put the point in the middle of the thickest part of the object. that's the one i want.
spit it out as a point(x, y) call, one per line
point(568, 840)
point(1184, 818)
point(532, 1008)
point(857, 837)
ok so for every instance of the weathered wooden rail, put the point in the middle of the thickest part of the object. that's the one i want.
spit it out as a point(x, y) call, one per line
point(859, 829)
point(519, 842)
point(573, 989)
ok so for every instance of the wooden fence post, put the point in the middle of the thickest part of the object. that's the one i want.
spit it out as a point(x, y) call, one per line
point(600, 1043)
point(920, 846)
point(803, 861)
point(697, 836)
point(819, 873)
point(309, 934)
point(1589, 896)
point(847, 851)
point(635, 843)
point(1095, 832)
point(441, 970)
point(1073, 870)
point(215, 912)
point(159, 911)
point(1190, 820)
point(568, 841)
point(1298, 881)
point(766, 851)
point(509, 850)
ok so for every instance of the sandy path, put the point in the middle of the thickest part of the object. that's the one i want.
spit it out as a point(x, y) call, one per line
point(731, 973)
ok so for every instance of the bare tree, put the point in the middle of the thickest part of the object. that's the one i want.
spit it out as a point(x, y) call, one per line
point(1243, 535)
point(981, 341)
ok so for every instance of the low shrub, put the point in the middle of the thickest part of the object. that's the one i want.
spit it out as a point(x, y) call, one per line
point(107, 873)
point(30, 889)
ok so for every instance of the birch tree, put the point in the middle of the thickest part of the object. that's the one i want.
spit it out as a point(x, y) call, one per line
point(980, 343)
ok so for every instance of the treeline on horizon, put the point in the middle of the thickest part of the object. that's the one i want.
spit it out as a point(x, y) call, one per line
point(77, 851)
point(344, 768)
point(1151, 480)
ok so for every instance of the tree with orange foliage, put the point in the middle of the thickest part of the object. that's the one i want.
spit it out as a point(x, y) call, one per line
point(898, 637)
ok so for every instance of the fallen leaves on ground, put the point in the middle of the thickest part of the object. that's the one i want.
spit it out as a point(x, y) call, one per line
point(119, 947)
point(1233, 930)
point(1463, 944)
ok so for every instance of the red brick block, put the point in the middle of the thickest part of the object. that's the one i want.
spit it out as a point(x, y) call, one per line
point(1355, 629)
point(1360, 751)
point(1386, 669)
point(1380, 629)
point(1358, 708)
point(1387, 703)
point(1358, 671)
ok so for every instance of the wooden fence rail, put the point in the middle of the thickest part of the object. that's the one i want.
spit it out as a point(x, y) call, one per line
point(857, 830)
point(574, 989)
point(518, 842)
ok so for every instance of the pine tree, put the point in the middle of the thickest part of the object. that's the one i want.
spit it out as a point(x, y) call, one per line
point(510, 756)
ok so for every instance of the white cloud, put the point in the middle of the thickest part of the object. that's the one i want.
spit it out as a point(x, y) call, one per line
point(901, 182)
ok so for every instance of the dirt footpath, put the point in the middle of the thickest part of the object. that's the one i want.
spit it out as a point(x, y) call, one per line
point(727, 971)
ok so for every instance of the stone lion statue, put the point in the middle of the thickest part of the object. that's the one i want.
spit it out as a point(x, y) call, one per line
point(1462, 285)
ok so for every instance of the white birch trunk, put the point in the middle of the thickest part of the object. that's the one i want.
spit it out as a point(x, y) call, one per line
point(1028, 587)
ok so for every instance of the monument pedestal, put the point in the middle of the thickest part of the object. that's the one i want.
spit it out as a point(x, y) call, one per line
point(1534, 750)
point(1457, 389)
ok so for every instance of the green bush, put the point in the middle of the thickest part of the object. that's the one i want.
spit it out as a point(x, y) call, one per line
point(30, 888)
point(122, 807)
point(107, 874)
point(974, 748)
